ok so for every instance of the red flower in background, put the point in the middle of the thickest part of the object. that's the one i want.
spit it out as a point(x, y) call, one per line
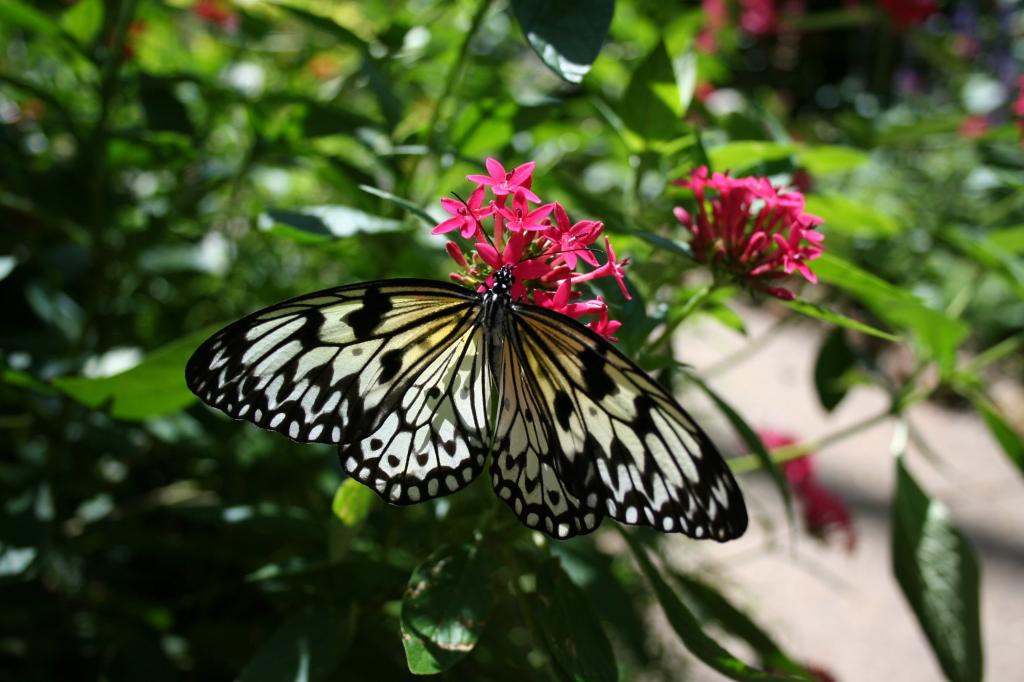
point(217, 12)
point(907, 13)
point(823, 511)
point(752, 230)
point(758, 17)
point(973, 127)
point(543, 254)
point(1018, 106)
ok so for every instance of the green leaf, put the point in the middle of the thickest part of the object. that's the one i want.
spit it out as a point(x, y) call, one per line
point(1009, 239)
point(325, 223)
point(713, 606)
point(154, 387)
point(27, 17)
point(821, 313)
point(937, 335)
point(82, 20)
point(835, 359)
point(352, 502)
point(983, 250)
point(578, 645)
point(13, 377)
point(306, 647)
point(735, 156)
point(653, 104)
point(752, 441)
point(850, 217)
point(1009, 440)
point(938, 573)
point(686, 624)
point(427, 219)
point(566, 35)
point(825, 159)
point(445, 607)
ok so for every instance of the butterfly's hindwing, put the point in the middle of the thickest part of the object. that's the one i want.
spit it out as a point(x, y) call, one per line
point(623, 441)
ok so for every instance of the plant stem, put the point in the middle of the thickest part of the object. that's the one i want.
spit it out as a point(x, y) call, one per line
point(748, 463)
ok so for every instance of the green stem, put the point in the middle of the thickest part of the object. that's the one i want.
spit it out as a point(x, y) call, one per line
point(994, 353)
point(748, 463)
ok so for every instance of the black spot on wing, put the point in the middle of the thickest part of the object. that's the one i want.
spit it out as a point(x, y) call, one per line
point(599, 384)
point(390, 363)
point(563, 409)
point(364, 321)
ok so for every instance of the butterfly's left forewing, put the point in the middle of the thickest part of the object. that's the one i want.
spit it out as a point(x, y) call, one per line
point(390, 371)
point(616, 442)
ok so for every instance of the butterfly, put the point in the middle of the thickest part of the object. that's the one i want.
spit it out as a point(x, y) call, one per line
point(420, 384)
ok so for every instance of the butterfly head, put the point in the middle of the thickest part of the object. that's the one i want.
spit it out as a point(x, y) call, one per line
point(503, 280)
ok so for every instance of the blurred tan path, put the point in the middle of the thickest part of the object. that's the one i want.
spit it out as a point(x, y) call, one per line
point(844, 611)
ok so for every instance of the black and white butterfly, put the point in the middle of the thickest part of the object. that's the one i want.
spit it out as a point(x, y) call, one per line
point(421, 383)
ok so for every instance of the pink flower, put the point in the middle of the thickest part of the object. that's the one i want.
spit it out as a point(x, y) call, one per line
point(716, 17)
point(973, 127)
point(520, 218)
point(751, 230)
point(823, 511)
point(570, 241)
point(465, 216)
point(1018, 106)
point(907, 13)
point(502, 182)
point(543, 256)
point(757, 17)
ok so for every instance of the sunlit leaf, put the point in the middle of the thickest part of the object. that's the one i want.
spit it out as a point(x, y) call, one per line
point(938, 573)
point(854, 218)
point(822, 313)
point(352, 502)
point(825, 159)
point(652, 106)
point(307, 647)
point(324, 223)
point(445, 608)
point(686, 625)
point(152, 388)
point(566, 35)
point(736, 156)
point(15, 13)
point(937, 334)
point(1010, 239)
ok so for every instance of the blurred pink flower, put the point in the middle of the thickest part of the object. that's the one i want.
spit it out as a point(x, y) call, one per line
point(1018, 106)
point(973, 127)
point(217, 12)
point(758, 17)
point(823, 511)
point(907, 13)
point(543, 254)
point(750, 229)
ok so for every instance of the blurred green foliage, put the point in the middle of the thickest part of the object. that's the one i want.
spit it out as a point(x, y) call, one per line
point(166, 167)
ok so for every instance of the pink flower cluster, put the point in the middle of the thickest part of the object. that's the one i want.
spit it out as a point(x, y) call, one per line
point(538, 240)
point(823, 511)
point(907, 13)
point(751, 230)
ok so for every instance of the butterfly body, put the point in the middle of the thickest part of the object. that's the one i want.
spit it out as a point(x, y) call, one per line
point(419, 384)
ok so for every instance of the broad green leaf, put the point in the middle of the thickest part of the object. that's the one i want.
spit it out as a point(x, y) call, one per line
point(835, 359)
point(1009, 440)
point(566, 35)
point(735, 156)
point(938, 573)
point(825, 159)
point(325, 223)
point(154, 387)
point(711, 605)
point(13, 377)
point(983, 250)
point(751, 440)
point(483, 126)
point(821, 313)
point(652, 106)
point(25, 16)
point(352, 502)
point(572, 633)
point(850, 217)
point(686, 624)
point(83, 19)
point(937, 335)
point(445, 608)
point(675, 246)
point(1009, 239)
point(306, 648)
